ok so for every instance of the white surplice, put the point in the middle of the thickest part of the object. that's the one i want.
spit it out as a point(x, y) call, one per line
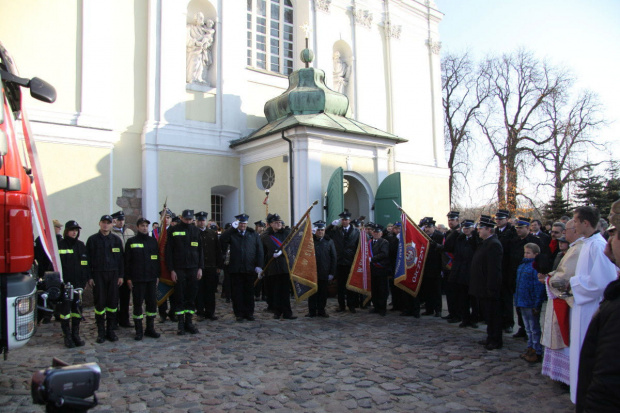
point(593, 273)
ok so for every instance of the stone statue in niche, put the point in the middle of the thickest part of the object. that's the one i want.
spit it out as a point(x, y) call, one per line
point(200, 36)
point(341, 74)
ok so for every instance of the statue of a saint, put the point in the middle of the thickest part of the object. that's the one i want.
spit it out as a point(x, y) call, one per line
point(341, 74)
point(199, 42)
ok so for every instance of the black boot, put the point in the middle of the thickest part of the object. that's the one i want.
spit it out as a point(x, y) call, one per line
point(100, 320)
point(189, 327)
point(180, 325)
point(150, 327)
point(110, 324)
point(75, 332)
point(66, 333)
point(139, 332)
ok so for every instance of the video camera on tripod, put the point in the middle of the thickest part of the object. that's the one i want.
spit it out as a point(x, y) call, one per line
point(51, 291)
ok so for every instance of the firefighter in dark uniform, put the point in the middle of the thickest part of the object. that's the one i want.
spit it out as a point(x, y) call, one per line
point(246, 261)
point(430, 289)
point(75, 271)
point(213, 263)
point(273, 239)
point(120, 230)
point(105, 253)
point(450, 287)
point(185, 260)
point(345, 238)
point(142, 276)
point(326, 265)
point(380, 269)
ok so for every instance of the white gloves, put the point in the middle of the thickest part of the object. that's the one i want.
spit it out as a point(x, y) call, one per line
point(330, 277)
point(261, 275)
point(277, 254)
point(258, 270)
point(335, 222)
point(235, 224)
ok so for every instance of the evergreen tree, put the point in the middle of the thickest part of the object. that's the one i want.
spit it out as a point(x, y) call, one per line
point(556, 209)
point(591, 192)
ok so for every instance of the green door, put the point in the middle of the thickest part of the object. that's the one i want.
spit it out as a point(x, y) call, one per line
point(388, 193)
point(335, 195)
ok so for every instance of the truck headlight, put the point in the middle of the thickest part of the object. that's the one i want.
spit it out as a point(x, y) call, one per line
point(24, 317)
point(24, 305)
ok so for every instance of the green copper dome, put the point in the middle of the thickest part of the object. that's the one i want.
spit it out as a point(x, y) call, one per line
point(306, 94)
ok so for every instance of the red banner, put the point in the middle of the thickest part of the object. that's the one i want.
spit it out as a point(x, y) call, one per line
point(359, 277)
point(299, 253)
point(412, 252)
point(165, 287)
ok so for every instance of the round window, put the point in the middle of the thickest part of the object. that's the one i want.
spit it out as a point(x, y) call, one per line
point(265, 177)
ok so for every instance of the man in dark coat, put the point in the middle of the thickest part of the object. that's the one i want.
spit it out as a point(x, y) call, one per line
point(398, 299)
point(447, 260)
point(273, 239)
point(326, 259)
point(142, 274)
point(464, 248)
point(213, 263)
point(345, 238)
point(185, 260)
point(431, 280)
point(486, 281)
point(246, 261)
point(105, 254)
point(380, 268)
point(505, 233)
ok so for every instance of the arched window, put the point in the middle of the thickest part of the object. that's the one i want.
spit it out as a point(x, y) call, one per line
point(216, 208)
point(270, 35)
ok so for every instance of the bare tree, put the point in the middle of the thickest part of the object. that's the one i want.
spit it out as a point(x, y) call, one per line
point(569, 131)
point(464, 89)
point(513, 119)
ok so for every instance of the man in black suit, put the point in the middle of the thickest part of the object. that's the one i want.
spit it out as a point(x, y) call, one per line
point(486, 281)
point(345, 238)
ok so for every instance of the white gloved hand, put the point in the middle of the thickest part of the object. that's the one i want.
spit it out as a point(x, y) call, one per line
point(335, 222)
point(330, 277)
point(235, 224)
point(258, 270)
point(277, 254)
point(261, 275)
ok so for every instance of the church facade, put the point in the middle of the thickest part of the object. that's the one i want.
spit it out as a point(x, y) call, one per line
point(173, 101)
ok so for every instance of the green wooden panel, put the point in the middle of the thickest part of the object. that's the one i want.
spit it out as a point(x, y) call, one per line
point(335, 195)
point(388, 192)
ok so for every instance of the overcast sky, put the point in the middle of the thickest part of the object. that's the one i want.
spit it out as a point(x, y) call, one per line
point(581, 35)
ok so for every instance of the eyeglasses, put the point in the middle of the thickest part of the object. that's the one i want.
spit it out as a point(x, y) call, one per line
point(556, 232)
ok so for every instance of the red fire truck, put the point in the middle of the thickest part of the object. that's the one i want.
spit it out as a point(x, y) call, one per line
point(20, 206)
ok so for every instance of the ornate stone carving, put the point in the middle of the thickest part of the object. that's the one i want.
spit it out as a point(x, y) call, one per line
point(434, 46)
point(323, 5)
point(393, 30)
point(363, 17)
point(342, 72)
point(199, 41)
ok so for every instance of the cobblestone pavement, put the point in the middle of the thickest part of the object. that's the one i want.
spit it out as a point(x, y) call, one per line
point(348, 362)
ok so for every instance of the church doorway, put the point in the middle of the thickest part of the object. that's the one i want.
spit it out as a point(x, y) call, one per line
point(357, 196)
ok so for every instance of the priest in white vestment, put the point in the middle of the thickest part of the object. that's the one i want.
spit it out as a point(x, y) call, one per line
point(593, 273)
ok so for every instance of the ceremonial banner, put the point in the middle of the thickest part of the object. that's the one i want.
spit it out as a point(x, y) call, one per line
point(359, 277)
point(299, 254)
point(165, 287)
point(412, 248)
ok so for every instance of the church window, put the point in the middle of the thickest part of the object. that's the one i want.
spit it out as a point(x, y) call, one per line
point(216, 208)
point(270, 35)
point(266, 177)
